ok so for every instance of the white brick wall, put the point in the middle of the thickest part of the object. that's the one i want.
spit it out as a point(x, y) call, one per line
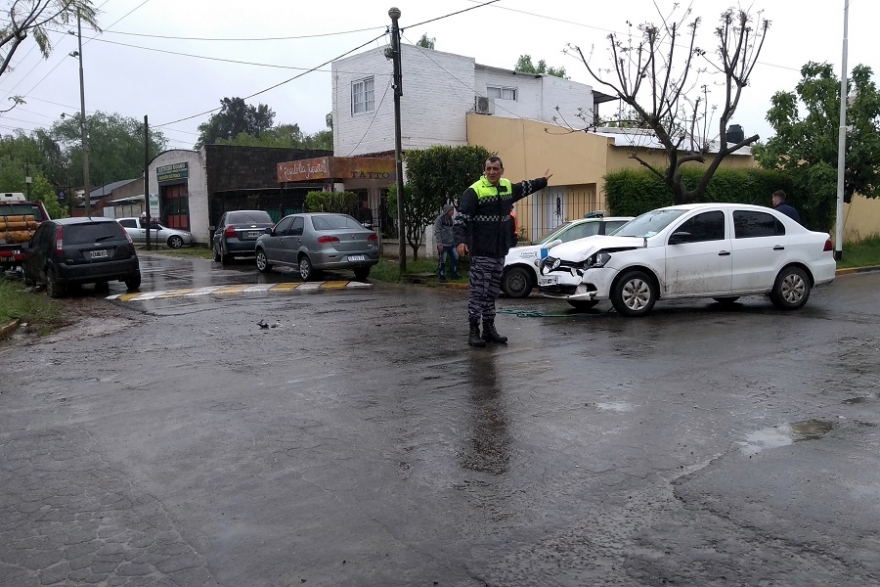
point(438, 91)
point(196, 187)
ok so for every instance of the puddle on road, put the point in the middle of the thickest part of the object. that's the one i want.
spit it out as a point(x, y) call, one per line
point(784, 435)
point(614, 406)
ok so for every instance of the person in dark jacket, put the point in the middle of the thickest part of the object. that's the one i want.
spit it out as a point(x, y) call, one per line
point(445, 242)
point(482, 228)
point(778, 199)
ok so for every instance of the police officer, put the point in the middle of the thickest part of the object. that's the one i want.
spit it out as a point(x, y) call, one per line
point(483, 220)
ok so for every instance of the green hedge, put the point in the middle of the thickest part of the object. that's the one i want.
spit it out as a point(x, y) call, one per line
point(338, 202)
point(631, 192)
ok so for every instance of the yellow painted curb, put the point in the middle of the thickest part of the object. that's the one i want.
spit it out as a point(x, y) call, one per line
point(335, 285)
point(230, 289)
point(846, 271)
point(285, 287)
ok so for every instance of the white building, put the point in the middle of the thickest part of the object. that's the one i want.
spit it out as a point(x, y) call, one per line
point(439, 90)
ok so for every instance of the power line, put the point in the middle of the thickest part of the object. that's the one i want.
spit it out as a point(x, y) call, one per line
point(242, 39)
point(276, 85)
point(452, 13)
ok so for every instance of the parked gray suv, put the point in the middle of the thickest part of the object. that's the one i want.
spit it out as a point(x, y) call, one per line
point(74, 251)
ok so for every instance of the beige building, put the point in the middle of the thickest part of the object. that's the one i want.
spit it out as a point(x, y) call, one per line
point(578, 161)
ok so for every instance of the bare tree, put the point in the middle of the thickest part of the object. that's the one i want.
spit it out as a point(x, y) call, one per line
point(657, 75)
point(34, 17)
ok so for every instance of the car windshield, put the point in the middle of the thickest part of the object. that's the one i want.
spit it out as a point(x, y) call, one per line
point(249, 217)
point(79, 234)
point(554, 234)
point(649, 223)
point(335, 222)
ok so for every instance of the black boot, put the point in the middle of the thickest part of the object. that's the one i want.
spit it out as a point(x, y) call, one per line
point(474, 335)
point(490, 334)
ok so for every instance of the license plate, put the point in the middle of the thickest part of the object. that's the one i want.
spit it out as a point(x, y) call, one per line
point(253, 234)
point(547, 281)
point(102, 254)
point(357, 258)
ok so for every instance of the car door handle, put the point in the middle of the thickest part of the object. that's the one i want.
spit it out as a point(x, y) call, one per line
point(778, 248)
point(724, 254)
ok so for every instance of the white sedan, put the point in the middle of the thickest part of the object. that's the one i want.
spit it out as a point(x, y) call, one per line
point(521, 263)
point(720, 251)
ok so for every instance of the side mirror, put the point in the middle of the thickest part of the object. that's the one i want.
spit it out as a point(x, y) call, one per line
point(269, 230)
point(212, 228)
point(678, 238)
point(553, 244)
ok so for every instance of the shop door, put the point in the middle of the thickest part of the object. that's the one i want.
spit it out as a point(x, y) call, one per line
point(174, 205)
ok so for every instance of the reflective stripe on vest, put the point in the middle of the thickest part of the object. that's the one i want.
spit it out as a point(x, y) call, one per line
point(484, 189)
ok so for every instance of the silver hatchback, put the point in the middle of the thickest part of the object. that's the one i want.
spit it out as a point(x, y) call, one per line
point(317, 241)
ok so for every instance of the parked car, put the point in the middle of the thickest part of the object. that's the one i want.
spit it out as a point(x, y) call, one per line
point(521, 264)
point(317, 241)
point(159, 233)
point(720, 251)
point(75, 251)
point(237, 232)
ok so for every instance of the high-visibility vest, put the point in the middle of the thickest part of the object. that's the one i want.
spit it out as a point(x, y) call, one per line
point(484, 189)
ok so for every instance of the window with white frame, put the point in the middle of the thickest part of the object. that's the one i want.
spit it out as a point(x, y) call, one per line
point(362, 96)
point(500, 93)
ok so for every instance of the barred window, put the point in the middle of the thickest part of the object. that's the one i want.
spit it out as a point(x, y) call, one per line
point(362, 95)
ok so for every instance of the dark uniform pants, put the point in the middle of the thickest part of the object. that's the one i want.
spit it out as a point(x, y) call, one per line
point(485, 284)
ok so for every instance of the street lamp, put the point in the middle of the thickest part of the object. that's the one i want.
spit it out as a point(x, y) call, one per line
point(394, 13)
point(82, 119)
point(841, 139)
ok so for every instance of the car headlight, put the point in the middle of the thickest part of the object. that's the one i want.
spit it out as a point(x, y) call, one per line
point(597, 260)
point(549, 264)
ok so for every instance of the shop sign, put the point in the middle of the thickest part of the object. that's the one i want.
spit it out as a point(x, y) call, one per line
point(342, 168)
point(172, 172)
point(304, 169)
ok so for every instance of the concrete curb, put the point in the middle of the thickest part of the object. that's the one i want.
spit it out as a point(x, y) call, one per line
point(9, 328)
point(853, 270)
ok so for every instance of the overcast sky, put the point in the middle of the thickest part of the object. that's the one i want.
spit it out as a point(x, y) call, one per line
point(132, 70)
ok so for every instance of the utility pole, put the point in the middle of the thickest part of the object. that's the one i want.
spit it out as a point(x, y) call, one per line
point(394, 13)
point(27, 177)
point(82, 119)
point(147, 180)
point(841, 140)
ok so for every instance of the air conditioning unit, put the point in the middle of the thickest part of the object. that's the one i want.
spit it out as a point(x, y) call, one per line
point(484, 105)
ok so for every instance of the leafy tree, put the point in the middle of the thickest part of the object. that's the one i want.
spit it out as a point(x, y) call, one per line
point(435, 176)
point(525, 65)
point(284, 135)
point(35, 18)
point(652, 75)
point(806, 141)
point(338, 202)
point(116, 147)
point(235, 117)
point(424, 41)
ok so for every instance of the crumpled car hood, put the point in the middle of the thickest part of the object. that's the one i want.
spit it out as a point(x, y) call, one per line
point(581, 249)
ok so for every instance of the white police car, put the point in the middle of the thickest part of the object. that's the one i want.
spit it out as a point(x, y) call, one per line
point(521, 264)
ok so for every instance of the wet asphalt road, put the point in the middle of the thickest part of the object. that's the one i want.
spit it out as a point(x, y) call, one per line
point(361, 442)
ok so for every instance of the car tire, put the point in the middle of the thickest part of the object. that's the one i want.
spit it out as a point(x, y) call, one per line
point(133, 283)
point(53, 289)
point(361, 273)
point(216, 251)
point(263, 265)
point(634, 294)
point(727, 302)
point(516, 283)
point(791, 290)
point(583, 304)
point(225, 259)
point(306, 271)
point(175, 242)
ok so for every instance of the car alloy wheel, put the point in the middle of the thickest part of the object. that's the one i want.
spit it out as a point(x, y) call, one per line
point(792, 289)
point(634, 294)
point(175, 242)
point(263, 264)
point(305, 268)
point(216, 253)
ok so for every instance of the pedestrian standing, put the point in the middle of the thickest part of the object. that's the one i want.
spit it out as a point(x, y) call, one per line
point(778, 199)
point(445, 242)
point(483, 220)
